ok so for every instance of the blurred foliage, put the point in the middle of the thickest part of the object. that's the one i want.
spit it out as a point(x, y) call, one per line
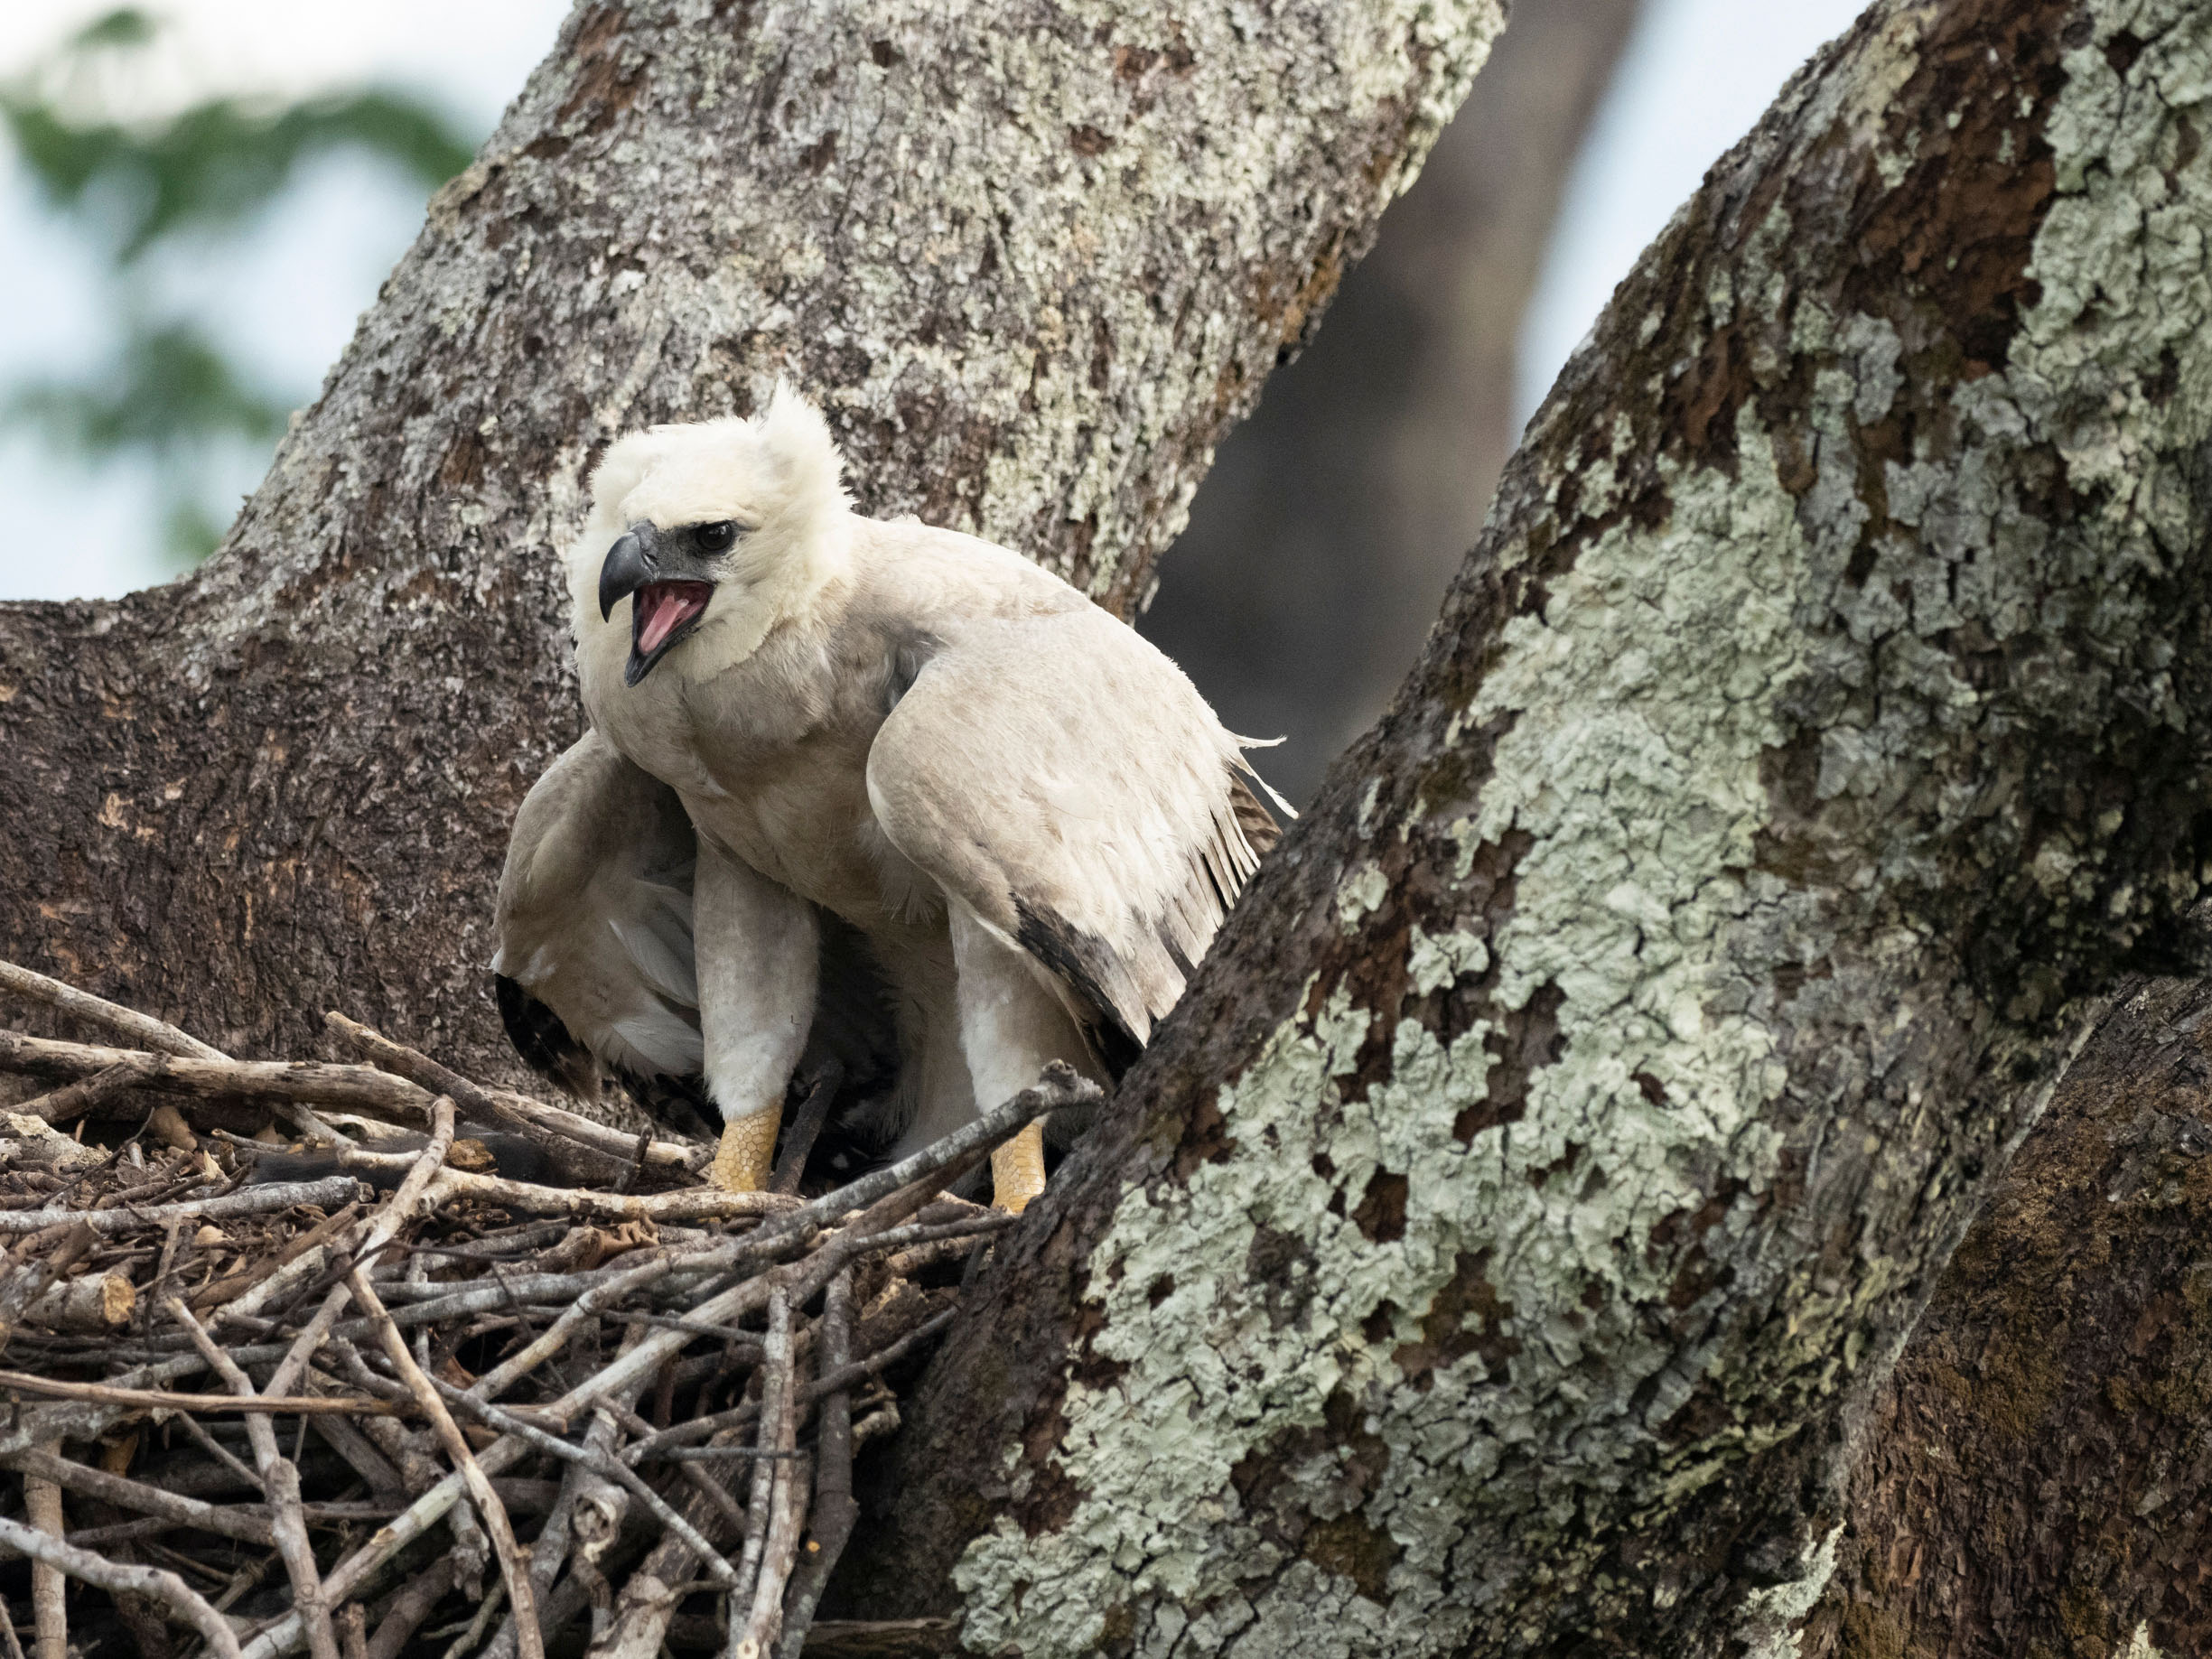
point(134, 189)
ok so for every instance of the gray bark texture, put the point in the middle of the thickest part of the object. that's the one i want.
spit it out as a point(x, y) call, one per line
point(1504, 1248)
point(1033, 258)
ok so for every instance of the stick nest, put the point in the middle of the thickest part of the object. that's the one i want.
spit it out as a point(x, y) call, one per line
point(295, 1356)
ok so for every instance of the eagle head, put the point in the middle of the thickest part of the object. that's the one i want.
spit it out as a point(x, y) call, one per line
point(732, 519)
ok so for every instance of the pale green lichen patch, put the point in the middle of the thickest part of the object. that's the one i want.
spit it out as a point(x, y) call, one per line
point(1542, 1336)
point(1435, 962)
point(1360, 893)
point(1768, 1625)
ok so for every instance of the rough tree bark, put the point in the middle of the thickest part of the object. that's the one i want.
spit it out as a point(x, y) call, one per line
point(1502, 1249)
point(1035, 258)
point(1332, 520)
point(2037, 1480)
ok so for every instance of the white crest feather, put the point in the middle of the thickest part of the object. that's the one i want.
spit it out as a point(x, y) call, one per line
point(797, 437)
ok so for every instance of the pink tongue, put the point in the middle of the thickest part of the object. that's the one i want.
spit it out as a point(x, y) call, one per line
point(668, 606)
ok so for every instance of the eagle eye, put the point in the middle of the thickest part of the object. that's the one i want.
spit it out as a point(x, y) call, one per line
point(714, 537)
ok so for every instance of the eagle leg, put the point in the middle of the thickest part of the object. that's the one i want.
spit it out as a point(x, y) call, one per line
point(1017, 1170)
point(748, 1144)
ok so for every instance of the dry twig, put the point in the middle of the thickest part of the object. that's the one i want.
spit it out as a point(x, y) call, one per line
point(61, 1558)
point(572, 1304)
point(513, 1568)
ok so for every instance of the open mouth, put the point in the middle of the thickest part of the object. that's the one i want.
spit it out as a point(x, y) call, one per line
point(661, 613)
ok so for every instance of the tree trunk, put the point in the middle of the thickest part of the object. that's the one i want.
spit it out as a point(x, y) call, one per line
point(2038, 1479)
point(1034, 260)
point(1502, 1248)
point(1321, 543)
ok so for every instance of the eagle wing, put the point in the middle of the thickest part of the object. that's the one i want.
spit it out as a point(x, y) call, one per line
point(1063, 778)
point(594, 918)
point(597, 959)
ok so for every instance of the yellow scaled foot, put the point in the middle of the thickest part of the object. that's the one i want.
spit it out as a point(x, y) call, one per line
point(1017, 1170)
point(748, 1143)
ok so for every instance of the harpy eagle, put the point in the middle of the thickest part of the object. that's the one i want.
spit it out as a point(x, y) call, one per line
point(841, 770)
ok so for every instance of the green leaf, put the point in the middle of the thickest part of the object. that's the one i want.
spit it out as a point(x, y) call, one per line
point(125, 26)
point(209, 166)
point(128, 185)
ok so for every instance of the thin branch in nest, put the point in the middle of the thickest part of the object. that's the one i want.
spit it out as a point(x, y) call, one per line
point(777, 1504)
point(213, 1405)
point(48, 1467)
point(408, 1199)
point(701, 1481)
point(73, 1100)
point(409, 1609)
point(48, 1613)
point(606, 1468)
point(208, 1444)
point(142, 1028)
point(27, 1281)
point(280, 1478)
point(775, 1383)
point(800, 1137)
point(835, 1511)
point(315, 1082)
point(253, 1201)
point(513, 1568)
point(845, 1376)
point(156, 1584)
point(525, 1116)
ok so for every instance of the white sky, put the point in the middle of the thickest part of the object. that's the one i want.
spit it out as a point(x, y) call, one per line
point(1694, 79)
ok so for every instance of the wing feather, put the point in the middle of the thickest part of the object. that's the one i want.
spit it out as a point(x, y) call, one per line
point(594, 910)
point(596, 949)
point(1063, 778)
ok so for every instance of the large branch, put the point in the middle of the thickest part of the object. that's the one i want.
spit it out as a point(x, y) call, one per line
point(1035, 259)
point(1501, 1248)
point(2038, 1478)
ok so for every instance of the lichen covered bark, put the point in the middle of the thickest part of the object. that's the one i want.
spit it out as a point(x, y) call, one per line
point(1500, 1250)
point(1032, 257)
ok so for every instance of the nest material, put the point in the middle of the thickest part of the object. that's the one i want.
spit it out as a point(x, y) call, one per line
point(373, 1396)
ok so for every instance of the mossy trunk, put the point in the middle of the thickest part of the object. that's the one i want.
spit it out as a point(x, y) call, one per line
point(1504, 1248)
point(1034, 260)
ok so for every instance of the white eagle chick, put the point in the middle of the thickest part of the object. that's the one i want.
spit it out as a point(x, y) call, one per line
point(1029, 815)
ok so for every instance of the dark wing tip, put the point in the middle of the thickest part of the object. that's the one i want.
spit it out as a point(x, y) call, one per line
point(1078, 958)
point(1252, 817)
point(545, 1044)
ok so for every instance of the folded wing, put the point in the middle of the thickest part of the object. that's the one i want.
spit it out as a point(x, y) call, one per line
point(595, 919)
point(1060, 778)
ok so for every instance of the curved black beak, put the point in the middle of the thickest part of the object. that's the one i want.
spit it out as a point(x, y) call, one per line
point(630, 565)
point(667, 588)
